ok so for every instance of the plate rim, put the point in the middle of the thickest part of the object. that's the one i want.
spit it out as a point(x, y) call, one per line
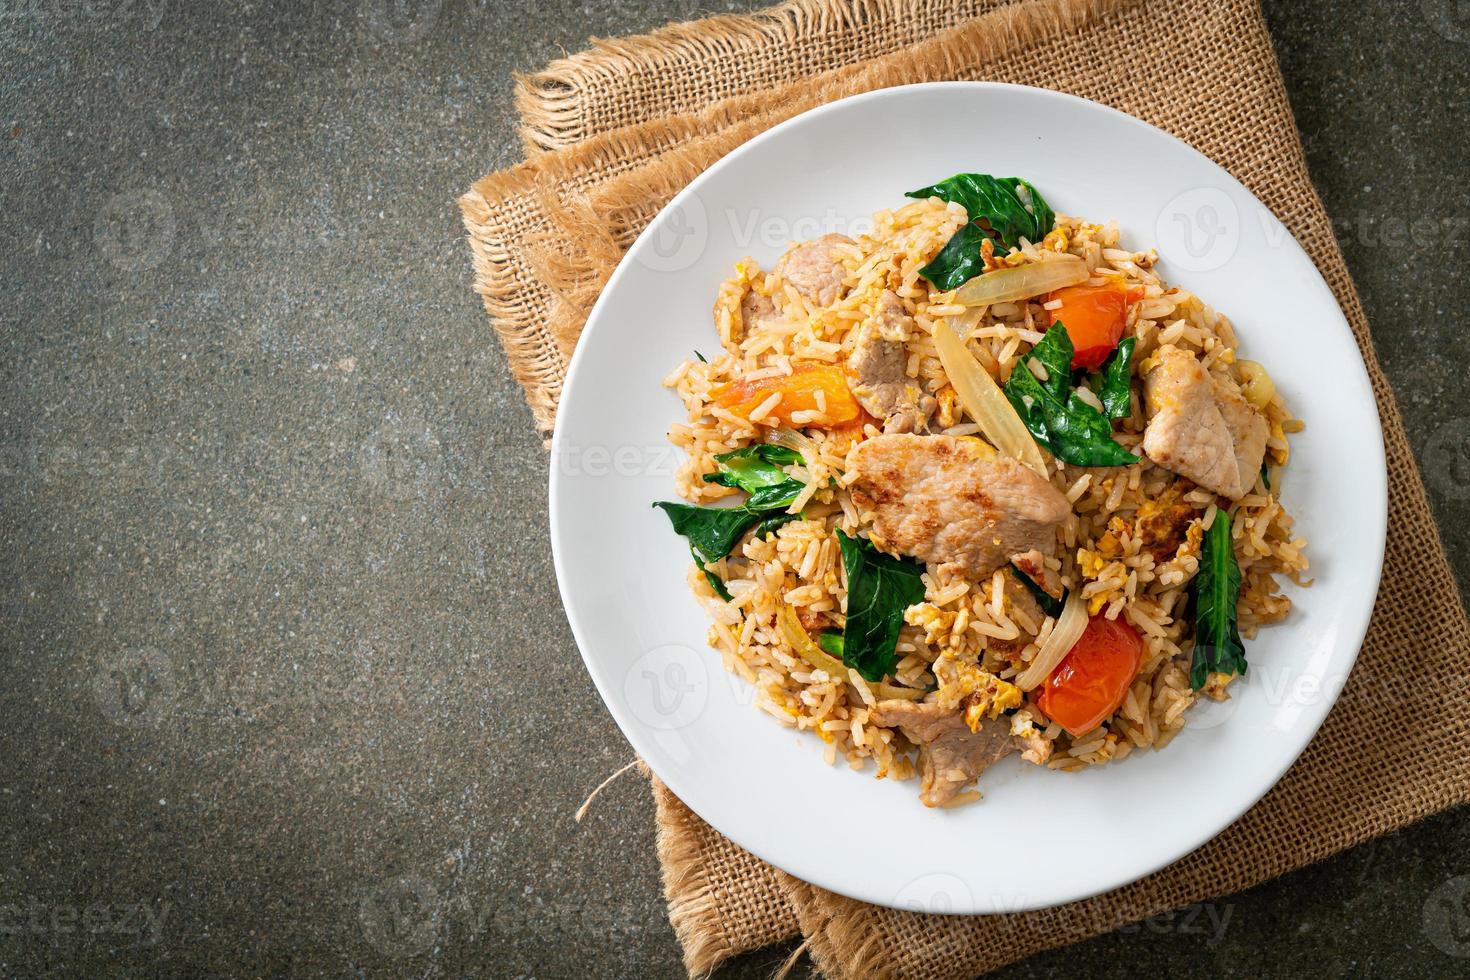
point(1352, 637)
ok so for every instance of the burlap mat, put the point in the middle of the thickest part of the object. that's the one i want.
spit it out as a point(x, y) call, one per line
point(612, 133)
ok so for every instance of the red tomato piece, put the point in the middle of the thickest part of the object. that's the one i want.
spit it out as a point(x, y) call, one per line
point(1095, 317)
point(1094, 677)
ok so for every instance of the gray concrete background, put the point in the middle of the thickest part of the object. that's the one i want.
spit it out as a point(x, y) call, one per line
point(282, 650)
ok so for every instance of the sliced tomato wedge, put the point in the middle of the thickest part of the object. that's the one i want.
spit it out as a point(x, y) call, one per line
point(798, 394)
point(1093, 678)
point(1095, 318)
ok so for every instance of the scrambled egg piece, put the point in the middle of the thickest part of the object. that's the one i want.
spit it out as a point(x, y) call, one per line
point(1090, 563)
point(1056, 240)
point(1109, 546)
point(948, 399)
point(1278, 433)
point(980, 693)
point(936, 623)
point(1216, 684)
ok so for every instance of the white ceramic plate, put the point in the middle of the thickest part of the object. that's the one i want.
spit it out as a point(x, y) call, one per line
point(1039, 838)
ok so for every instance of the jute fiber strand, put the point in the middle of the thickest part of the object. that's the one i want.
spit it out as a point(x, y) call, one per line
point(619, 129)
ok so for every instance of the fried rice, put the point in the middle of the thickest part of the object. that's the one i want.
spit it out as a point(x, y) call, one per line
point(1131, 545)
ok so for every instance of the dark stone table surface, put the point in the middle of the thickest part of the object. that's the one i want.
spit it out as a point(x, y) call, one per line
point(258, 445)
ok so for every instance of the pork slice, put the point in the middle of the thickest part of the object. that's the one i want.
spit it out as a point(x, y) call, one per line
point(951, 756)
point(953, 503)
point(752, 313)
point(815, 270)
point(880, 362)
point(1248, 429)
point(1032, 564)
point(1199, 428)
point(755, 312)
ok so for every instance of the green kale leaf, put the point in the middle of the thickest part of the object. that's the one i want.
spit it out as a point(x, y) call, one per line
point(1217, 644)
point(1004, 209)
point(1113, 386)
point(1071, 429)
point(879, 588)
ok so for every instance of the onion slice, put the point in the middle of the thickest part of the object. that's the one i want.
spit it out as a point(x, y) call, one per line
point(1064, 636)
point(1022, 282)
point(803, 647)
point(807, 448)
point(799, 441)
point(984, 401)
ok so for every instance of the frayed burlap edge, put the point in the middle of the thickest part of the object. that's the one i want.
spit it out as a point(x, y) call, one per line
point(693, 905)
point(507, 216)
point(698, 866)
point(537, 365)
point(560, 105)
